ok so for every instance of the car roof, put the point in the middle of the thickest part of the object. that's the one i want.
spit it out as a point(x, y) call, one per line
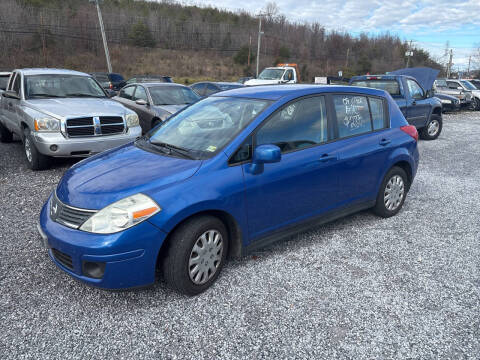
point(156, 84)
point(276, 92)
point(382, 76)
point(41, 71)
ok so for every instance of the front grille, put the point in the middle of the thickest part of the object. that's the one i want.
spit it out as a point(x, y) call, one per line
point(94, 126)
point(68, 215)
point(62, 258)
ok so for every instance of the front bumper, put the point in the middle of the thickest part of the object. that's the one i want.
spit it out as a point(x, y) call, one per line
point(72, 147)
point(129, 257)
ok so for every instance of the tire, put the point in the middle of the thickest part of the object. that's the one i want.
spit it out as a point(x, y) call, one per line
point(180, 259)
point(6, 135)
point(35, 160)
point(476, 104)
point(433, 128)
point(396, 176)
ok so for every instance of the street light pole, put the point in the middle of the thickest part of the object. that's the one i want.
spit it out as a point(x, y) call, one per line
point(259, 39)
point(104, 36)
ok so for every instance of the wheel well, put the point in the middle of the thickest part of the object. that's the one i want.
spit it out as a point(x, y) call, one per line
point(437, 111)
point(23, 126)
point(408, 170)
point(234, 233)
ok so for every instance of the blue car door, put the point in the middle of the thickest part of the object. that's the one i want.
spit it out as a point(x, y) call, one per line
point(419, 106)
point(304, 183)
point(364, 143)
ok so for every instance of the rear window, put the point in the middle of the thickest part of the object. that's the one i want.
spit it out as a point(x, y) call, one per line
point(4, 82)
point(116, 77)
point(390, 86)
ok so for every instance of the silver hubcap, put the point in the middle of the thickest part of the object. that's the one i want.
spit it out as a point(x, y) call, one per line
point(433, 127)
point(28, 150)
point(205, 257)
point(394, 192)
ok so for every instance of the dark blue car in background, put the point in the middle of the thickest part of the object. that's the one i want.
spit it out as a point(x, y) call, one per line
point(225, 176)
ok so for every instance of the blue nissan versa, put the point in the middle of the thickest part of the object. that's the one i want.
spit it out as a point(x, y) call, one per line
point(227, 175)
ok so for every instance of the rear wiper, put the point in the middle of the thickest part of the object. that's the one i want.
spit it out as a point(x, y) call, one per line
point(177, 149)
point(46, 95)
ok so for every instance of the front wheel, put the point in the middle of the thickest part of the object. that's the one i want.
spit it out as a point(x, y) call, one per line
point(392, 193)
point(433, 128)
point(475, 104)
point(35, 159)
point(195, 255)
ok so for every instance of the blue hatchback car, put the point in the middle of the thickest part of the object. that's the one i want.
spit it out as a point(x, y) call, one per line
point(224, 176)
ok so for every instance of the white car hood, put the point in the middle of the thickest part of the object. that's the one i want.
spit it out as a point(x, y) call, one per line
point(76, 107)
point(261, 82)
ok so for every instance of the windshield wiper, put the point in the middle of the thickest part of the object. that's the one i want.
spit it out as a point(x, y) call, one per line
point(46, 95)
point(179, 150)
point(84, 95)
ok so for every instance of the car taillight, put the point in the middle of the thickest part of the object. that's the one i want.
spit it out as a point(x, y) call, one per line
point(111, 86)
point(410, 130)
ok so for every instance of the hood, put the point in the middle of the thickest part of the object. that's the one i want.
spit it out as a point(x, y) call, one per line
point(424, 75)
point(172, 109)
point(113, 175)
point(76, 107)
point(261, 82)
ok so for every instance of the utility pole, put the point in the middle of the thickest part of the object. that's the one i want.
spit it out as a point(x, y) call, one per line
point(409, 53)
point(249, 52)
point(346, 61)
point(260, 33)
point(104, 36)
point(449, 67)
point(469, 61)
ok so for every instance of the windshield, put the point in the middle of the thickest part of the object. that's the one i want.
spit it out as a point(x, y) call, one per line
point(468, 85)
point(271, 74)
point(207, 126)
point(172, 95)
point(441, 83)
point(4, 82)
point(390, 86)
point(54, 86)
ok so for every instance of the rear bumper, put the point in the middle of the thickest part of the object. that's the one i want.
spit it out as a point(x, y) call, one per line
point(129, 257)
point(81, 146)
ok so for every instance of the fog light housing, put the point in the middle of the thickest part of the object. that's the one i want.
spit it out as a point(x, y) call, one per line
point(53, 147)
point(93, 269)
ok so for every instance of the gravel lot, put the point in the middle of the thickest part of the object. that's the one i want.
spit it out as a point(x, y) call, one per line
point(359, 288)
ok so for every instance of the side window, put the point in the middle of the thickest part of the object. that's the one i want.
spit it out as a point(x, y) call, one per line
point(288, 75)
point(297, 125)
point(10, 81)
point(140, 94)
point(353, 116)
point(416, 91)
point(452, 85)
point(211, 89)
point(17, 84)
point(378, 116)
point(198, 88)
point(127, 93)
point(243, 153)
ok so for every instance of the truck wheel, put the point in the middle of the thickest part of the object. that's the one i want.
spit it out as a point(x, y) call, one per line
point(195, 255)
point(476, 104)
point(433, 128)
point(6, 135)
point(35, 160)
point(392, 193)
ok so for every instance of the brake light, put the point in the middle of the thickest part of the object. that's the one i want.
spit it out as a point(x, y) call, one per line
point(410, 130)
point(111, 86)
point(374, 78)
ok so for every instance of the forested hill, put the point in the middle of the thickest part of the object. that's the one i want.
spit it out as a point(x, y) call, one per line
point(184, 41)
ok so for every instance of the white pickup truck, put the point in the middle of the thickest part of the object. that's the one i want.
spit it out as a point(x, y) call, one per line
point(280, 74)
point(62, 113)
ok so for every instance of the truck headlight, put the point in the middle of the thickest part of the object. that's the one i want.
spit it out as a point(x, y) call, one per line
point(121, 215)
point(47, 123)
point(132, 120)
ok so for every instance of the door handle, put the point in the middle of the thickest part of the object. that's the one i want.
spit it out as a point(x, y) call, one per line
point(385, 142)
point(327, 157)
point(414, 102)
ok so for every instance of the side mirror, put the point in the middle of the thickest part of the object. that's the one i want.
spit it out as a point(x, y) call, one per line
point(141, 102)
point(11, 94)
point(110, 93)
point(264, 154)
point(459, 88)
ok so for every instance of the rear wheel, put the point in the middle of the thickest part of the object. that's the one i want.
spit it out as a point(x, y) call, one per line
point(195, 255)
point(35, 160)
point(475, 104)
point(433, 128)
point(392, 193)
point(6, 135)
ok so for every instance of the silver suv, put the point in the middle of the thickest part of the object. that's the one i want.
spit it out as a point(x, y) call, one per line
point(62, 113)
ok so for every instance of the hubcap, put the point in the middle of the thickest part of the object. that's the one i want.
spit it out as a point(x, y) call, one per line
point(433, 127)
point(205, 257)
point(394, 192)
point(28, 150)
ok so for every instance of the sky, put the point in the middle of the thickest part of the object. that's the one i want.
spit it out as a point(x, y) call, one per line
point(429, 23)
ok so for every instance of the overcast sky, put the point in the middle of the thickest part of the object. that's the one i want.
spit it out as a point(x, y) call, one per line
point(429, 23)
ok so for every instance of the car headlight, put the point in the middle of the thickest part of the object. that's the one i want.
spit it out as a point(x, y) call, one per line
point(121, 215)
point(47, 123)
point(132, 120)
point(445, 101)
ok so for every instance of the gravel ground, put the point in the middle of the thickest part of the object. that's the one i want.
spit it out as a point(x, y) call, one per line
point(359, 288)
